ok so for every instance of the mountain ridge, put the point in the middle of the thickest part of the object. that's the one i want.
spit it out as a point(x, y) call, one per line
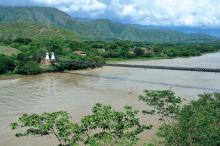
point(94, 29)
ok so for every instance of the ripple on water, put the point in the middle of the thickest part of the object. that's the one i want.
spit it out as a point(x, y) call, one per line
point(76, 92)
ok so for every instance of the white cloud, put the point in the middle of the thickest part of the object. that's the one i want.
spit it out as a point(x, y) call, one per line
point(93, 6)
point(153, 12)
point(169, 12)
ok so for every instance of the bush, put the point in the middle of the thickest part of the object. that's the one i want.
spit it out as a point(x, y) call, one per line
point(138, 52)
point(24, 41)
point(6, 64)
point(29, 68)
point(197, 124)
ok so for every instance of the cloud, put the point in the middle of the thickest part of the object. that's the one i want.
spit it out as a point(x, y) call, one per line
point(168, 12)
point(149, 12)
point(90, 7)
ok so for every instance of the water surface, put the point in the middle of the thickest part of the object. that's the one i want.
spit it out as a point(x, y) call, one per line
point(76, 92)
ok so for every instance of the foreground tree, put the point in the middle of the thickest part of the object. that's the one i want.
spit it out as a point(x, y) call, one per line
point(111, 127)
point(197, 124)
point(57, 124)
point(163, 103)
point(104, 126)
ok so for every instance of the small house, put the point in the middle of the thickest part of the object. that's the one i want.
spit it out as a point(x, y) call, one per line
point(81, 53)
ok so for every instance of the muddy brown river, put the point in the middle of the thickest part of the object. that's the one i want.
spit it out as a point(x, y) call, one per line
point(77, 91)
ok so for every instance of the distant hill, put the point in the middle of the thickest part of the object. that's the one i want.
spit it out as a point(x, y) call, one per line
point(94, 29)
point(35, 32)
point(43, 15)
point(107, 29)
point(213, 31)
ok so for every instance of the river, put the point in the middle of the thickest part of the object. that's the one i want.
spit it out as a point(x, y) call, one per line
point(77, 91)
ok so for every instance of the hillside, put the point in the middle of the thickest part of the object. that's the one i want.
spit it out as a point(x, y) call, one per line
point(8, 50)
point(94, 29)
point(35, 32)
point(106, 29)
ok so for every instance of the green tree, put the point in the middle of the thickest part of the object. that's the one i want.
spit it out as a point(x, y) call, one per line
point(57, 124)
point(197, 124)
point(164, 103)
point(104, 126)
point(113, 127)
point(6, 64)
point(28, 68)
point(138, 52)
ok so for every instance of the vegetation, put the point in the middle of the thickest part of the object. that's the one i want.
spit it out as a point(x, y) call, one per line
point(164, 103)
point(8, 51)
point(104, 126)
point(7, 64)
point(96, 52)
point(95, 29)
point(50, 30)
point(28, 68)
point(196, 123)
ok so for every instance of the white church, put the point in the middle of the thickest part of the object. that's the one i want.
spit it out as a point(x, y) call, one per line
point(49, 59)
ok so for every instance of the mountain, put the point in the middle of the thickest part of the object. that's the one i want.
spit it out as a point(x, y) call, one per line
point(43, 15)
point(93, 29)
point(213, 31)
point(106, 29)
point(35, 32)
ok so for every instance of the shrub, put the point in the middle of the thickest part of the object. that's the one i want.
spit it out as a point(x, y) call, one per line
point(29, 68)
point(197, 124)
point(6, 64)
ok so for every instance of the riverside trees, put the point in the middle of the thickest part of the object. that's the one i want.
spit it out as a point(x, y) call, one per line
point(104, 126)
point(32, 50)
point(194, 124)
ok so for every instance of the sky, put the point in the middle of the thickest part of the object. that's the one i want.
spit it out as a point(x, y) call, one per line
point(145, 12)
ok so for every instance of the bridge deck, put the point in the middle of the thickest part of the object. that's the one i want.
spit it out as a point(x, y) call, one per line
point(215, 70)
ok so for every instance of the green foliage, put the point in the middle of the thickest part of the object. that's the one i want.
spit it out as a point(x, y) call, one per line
point(197, 124)
point(57, 124)
point(138, 52)
point(28, 68)
point(164, 103)
point(40, 39)
point(121, 128)
point(104, 126)
point(15, 32)
point(24, 41)
point(7, 64)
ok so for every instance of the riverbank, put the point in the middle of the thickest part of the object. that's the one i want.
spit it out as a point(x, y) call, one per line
point(109, 60)
point(9, 76)
point(113, 60)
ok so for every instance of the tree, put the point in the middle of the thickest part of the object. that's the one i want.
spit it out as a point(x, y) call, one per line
point(164, 103)
point(197, 124)
point(104, 126)
point(57, 124)
point(138, 52)
point(28, 68)
point(6, 64)
point(113, 127)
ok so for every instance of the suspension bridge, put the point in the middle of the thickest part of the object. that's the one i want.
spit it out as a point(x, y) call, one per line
point(75, 64)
